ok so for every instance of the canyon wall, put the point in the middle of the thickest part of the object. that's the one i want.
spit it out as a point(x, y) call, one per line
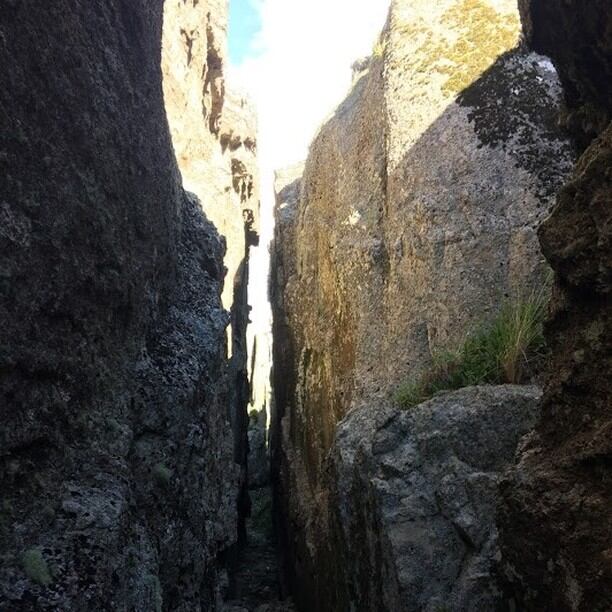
point(117, 453)
point(214, 133)
point(556, 515)
point(414, 220)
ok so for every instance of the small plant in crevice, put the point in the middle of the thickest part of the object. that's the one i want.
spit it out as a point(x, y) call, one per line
point(261, 513)
point(503, 352)
point(154, 587)
point(378, 50)
point(35, 566)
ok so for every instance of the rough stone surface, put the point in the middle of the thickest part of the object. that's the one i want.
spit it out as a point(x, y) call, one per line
point(416, 217)
point(282, 268)
point(556, 515)
point(413, 499)
point(116, 452)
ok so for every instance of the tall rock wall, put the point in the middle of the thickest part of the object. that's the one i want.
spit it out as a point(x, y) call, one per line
point(556, 516)
point(415, 218)
point(214, 133)
point(119, 484)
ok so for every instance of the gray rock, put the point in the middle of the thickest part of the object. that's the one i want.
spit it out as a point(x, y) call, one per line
point(556, 513)
point(414, 498)
point(214, 135)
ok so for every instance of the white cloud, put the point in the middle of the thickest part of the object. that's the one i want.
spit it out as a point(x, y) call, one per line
point(302, 67)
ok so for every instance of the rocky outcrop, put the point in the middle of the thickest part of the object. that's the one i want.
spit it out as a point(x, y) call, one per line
point(556, 515)
point(416, 218)
point(413, 500)
point(214, 132)
point(119, 484)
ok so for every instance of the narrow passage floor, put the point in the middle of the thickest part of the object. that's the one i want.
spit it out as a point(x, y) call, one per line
point(256, 582)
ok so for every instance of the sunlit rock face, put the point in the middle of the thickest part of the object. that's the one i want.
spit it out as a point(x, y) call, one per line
point(116, 454)
point(416, 217)
point(214, 133)
point(556, 516)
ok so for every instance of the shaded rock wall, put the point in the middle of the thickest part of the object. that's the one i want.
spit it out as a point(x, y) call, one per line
point(117, 464)
point(578, 36)
point(556, 519)
point(416, 217)
point(287, 187)
point(214, 132)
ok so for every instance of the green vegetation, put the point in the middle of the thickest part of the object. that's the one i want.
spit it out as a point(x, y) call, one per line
point(155, 586)
point(162, 475)
point(253, 416)
point(499, 353)
point(35, 566)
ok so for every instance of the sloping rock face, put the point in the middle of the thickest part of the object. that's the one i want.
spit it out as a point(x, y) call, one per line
point(416, 217)
point(413, 497)
point(556, 516)
point(116, 454)
point(214, 132)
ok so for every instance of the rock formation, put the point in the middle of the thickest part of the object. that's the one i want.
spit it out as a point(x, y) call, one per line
point(415, 217)
point(117, 455)
point(129, 204)
point(556, 519)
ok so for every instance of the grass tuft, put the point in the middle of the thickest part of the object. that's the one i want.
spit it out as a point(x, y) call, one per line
point(503, 352)
point(378, 50)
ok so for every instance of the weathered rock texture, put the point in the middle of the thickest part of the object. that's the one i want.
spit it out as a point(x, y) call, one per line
point(556, 519)
point(258, 462)
point(214, 132)
point(413, 500)
point(416, 217)
point(117, 465)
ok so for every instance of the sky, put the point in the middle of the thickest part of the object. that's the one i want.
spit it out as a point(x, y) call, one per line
point(244, 23)
point(293, 59)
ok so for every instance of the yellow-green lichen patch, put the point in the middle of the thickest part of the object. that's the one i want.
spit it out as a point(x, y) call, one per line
point(483, 34)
